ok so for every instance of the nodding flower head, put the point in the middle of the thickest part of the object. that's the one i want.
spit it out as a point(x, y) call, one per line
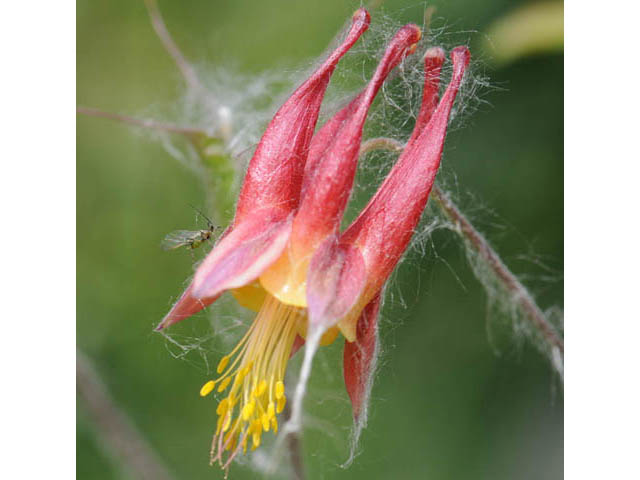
point(284, 255)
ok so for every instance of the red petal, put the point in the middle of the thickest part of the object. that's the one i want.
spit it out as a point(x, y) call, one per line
point(241, 256)
point(336, 279)
point(384, 228)
point(433, 60)
point(185, 307)
point(333, 156)
point(359, 357)
point(274, 176)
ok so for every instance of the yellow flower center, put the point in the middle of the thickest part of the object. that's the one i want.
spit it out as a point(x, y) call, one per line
point(255, 370)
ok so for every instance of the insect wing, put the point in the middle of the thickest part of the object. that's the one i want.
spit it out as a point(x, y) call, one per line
point(179, 238)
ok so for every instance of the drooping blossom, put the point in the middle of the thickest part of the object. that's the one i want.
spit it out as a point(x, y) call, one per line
point(284, 255)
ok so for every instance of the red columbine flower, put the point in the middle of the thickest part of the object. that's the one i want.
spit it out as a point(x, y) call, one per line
point(380, 235)
point(284, 256)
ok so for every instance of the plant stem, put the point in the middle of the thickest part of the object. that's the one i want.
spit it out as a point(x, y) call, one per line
point(189, 74)
point(295, 448)
point(116, 430)
point(484, 250)
point(142, 122)
point(507, 278)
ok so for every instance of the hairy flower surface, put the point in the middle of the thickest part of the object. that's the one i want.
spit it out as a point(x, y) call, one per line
point(284, 255)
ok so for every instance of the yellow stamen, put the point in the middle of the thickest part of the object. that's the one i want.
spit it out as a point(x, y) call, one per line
point(224, 361)
point(207, 388)
point(282, 401)
point(256, 440)
point(279, 390)
point(224, 384)
point(256, 426)
point(262, 388)
point(222, 407)
point(247, 410)
point(227, 422)
point(231, 441)
point(241, 374)
point(219, 425)
point(255, 370)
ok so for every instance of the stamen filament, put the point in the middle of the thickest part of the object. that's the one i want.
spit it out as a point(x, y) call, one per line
point(257, 365)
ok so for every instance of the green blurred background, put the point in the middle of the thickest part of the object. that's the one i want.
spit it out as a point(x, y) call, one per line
point(449, 402)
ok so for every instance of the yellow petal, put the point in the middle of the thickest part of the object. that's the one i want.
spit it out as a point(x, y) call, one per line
point(250, 296)
point(287, 281)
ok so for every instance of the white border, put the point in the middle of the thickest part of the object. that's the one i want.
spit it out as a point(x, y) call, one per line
point(602, 236)
point(37, 207)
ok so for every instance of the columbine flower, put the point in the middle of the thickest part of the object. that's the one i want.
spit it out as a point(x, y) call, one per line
point(284, 255)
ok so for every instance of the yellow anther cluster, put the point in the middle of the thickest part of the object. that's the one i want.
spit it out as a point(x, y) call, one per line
point(255, 370)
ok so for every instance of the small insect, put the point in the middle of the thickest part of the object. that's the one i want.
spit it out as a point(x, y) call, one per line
point(189, 238)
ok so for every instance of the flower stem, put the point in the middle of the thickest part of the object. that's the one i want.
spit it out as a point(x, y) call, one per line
point(295, 448)
point(483, 249)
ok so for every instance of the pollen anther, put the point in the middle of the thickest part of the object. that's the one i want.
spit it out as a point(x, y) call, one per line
point(279, 390)
point(262, 387)
point(207, 388)
point(224, 384)
point(224, 361)
point(282, 401)
point(247, 411)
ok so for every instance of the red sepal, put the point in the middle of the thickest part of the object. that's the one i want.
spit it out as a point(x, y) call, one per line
point(333, 157)
point(336, 278)
point(359, 356)
point(241, 256)
point(274, 176)
point(186, 306)
point(384, 228)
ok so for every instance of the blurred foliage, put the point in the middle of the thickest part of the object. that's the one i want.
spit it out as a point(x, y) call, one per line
point(449, 402)
point(529, 29)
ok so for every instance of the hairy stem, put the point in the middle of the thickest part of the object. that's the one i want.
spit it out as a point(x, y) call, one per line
point(142, 122)
point(502, 272)
point(220, 179)
point(188, 72)
point(116, 430)
point(484, 250)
